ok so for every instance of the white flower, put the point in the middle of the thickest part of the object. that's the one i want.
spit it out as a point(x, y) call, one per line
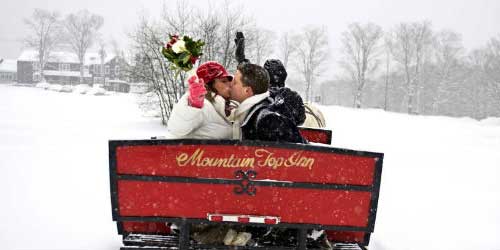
point(179, 46)
point(191, 72)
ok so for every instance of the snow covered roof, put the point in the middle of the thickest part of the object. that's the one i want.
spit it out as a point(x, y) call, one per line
point(116, 81)
point(64, 73)
point(65, 57)
point(138, 84)
point(8, 65)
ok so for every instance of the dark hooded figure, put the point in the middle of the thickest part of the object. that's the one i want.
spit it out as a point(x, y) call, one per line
point(277, 73)
point(277, 89)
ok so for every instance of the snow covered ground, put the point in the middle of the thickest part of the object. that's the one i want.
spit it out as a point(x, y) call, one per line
point(54, 185)
point(440, 182)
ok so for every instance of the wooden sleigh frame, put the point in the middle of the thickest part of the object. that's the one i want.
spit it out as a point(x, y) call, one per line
point(154, 182)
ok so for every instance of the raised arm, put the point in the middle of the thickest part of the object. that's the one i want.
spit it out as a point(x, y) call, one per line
point(240, 48)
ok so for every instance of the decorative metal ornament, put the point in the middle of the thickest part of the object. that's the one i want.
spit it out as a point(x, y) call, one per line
point(246, 185)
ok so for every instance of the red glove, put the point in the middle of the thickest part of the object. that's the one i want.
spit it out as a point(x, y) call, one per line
point(197, 92)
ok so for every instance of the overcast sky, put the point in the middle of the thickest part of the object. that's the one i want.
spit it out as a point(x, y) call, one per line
point(476, 20)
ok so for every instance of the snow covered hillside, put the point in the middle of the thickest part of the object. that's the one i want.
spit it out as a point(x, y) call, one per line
point(440, 183)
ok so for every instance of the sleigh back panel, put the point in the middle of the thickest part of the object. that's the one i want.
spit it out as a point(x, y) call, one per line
point(155, 181)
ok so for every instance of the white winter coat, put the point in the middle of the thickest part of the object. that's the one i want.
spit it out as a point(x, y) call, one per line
point(209, 122)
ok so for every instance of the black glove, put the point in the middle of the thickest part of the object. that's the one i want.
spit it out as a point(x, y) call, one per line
point(240, 48)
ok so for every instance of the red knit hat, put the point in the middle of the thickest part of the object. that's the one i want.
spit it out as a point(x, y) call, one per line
point(209, 71)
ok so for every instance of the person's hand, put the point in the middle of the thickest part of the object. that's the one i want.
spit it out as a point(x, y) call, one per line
point(239, 37)
point(240, 48)
point(197, 92)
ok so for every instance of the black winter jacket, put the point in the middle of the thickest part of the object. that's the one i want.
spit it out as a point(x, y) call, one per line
point(275, 118)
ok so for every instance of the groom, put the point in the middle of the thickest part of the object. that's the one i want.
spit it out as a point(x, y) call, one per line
point(259, 116)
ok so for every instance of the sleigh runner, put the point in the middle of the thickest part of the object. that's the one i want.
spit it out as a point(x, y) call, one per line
point(261, 184)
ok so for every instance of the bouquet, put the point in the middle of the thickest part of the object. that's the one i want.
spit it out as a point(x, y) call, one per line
point(182, 52)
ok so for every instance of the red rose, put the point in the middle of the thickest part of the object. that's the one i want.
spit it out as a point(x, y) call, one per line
point(173, 39)
point(193, 59)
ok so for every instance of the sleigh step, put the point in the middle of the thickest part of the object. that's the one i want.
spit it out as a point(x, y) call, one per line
point(350, 246)
point(171, 242)
point(145, 240)
point(164, 242)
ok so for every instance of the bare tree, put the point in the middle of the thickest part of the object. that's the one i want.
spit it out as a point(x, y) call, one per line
point(409, 48)
point(493, 68)
point(387, 52)
point(81, 29)
point(360, 47)
point(492, 73)
point(478, 61)
point(448, 55)
point(44, 32)
point(233, 20)
point(152, 68)
point(208, 25)
point(216, 26)
point(178, 18)
point(260, 44)
point(423, 42)
point(312, 53)
point(286, 48)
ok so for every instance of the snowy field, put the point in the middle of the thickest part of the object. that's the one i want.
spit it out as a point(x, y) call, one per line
point(440, 182)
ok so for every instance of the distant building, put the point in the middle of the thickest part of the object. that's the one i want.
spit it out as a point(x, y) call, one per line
point(139, 87)
point(8, 70)
point(117, 86)
point(64, 68)
point(113, 76)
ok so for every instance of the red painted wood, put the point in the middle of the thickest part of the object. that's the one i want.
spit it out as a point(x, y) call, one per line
point(345, 236)
point(322, 168)
point(270, 221)
point(145, 227)
point(317, 136)
point(293, 205)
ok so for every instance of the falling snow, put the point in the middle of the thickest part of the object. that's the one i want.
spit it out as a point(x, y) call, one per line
point(440, 187)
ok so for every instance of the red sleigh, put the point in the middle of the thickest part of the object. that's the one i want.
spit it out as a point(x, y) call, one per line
point(304, 187)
